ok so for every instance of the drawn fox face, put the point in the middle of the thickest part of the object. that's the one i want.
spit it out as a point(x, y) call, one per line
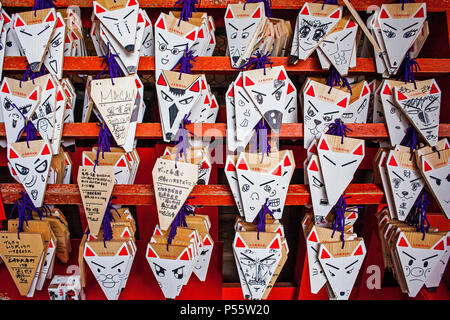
point(121, 22)
point(240, 31)
point(175, 103)
point(406, 185)
point(109, 271)
point(342, 271)
point(34, 37)
point(32, 170)
point(399, 32)
point(417, 263)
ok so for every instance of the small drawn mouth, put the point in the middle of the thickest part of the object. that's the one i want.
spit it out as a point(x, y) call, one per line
point(275, 202)
point(164, 61)
point(198, 268)
point(109, 284)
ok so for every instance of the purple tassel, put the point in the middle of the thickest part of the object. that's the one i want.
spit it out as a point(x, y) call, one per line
point(189, 6)
point(185, 62)
point(182, 139)
point(25, 208)
point(334, 78)
point(257, 62)
point(103, 142)
point(107, 218)
point(418, 216)
point(411, 139)
point(109, 62)
point(31, 75)
point(333, 2)
point(403, 2)
point(407, 69)
point(261, 217)
point(339, 209)
point(261, 127)
point(43, 4)
point(261, 140)
point(29, 129)
point(267, 6)
point(338, 128)
point(179, 221)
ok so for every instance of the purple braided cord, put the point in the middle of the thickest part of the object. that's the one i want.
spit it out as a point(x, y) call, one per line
point(103, 142)
point(339, 209)
point(261, 142)
point(257, 62)
point(28, 128)
point(333, 2)
point(407, 68)
point(43, 4)
point(25, 208)
point(411, 139)
point(182, 139)
point(109, 62)
point(334, 78)
point(260, 219)
point(179, 221)
point(185, 62)
point(107, 218)
point(338, 128)
point(267, 6)
point(189, 6)
point(403, 2)
point(418, 216)
point(31, 75)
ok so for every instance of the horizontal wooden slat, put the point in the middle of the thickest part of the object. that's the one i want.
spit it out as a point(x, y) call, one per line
point(218, 130)
point(92, 65)
point(207, 195)
point(432, 5)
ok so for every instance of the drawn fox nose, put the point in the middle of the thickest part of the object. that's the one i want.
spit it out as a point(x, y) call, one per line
point(317, 122)
point(235, 59)
point(405, 193)
point(342, 293)
point(130, 47)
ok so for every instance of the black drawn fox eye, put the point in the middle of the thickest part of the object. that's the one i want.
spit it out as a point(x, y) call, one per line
point(425, 264)
point(41, 167)
point(410, 262)
point(304, 31)
point(187, 100)
point(56, 43)
point(178, 273)
point(22, 170)
point(8, 105)
point(234, 35)
point(318, 34)
point(327, 118)
point(160, 271)
point(410, 33)
point(162, 47)
point(311, 112)
point(349, 271)
point(332, 274)
point(166, 97)
point(389, 33)
point(245, 35)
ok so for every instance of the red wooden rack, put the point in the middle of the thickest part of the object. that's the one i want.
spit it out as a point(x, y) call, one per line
point(434, 62)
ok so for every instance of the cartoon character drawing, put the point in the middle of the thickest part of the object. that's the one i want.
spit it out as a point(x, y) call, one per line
point(342, 270)
point(399, 31)
point(108, 270)
point(240, 27)
point(417, 263)
point(175, 100)
point(406, 182)
point(121, 22)
point(34, 36)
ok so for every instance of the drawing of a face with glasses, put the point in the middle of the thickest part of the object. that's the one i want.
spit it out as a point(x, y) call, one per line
point(176, 51)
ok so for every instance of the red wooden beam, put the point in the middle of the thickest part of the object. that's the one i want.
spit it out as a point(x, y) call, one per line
point(207, 195)
point(92, 65)
point(218, 130)
point(360, 5)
